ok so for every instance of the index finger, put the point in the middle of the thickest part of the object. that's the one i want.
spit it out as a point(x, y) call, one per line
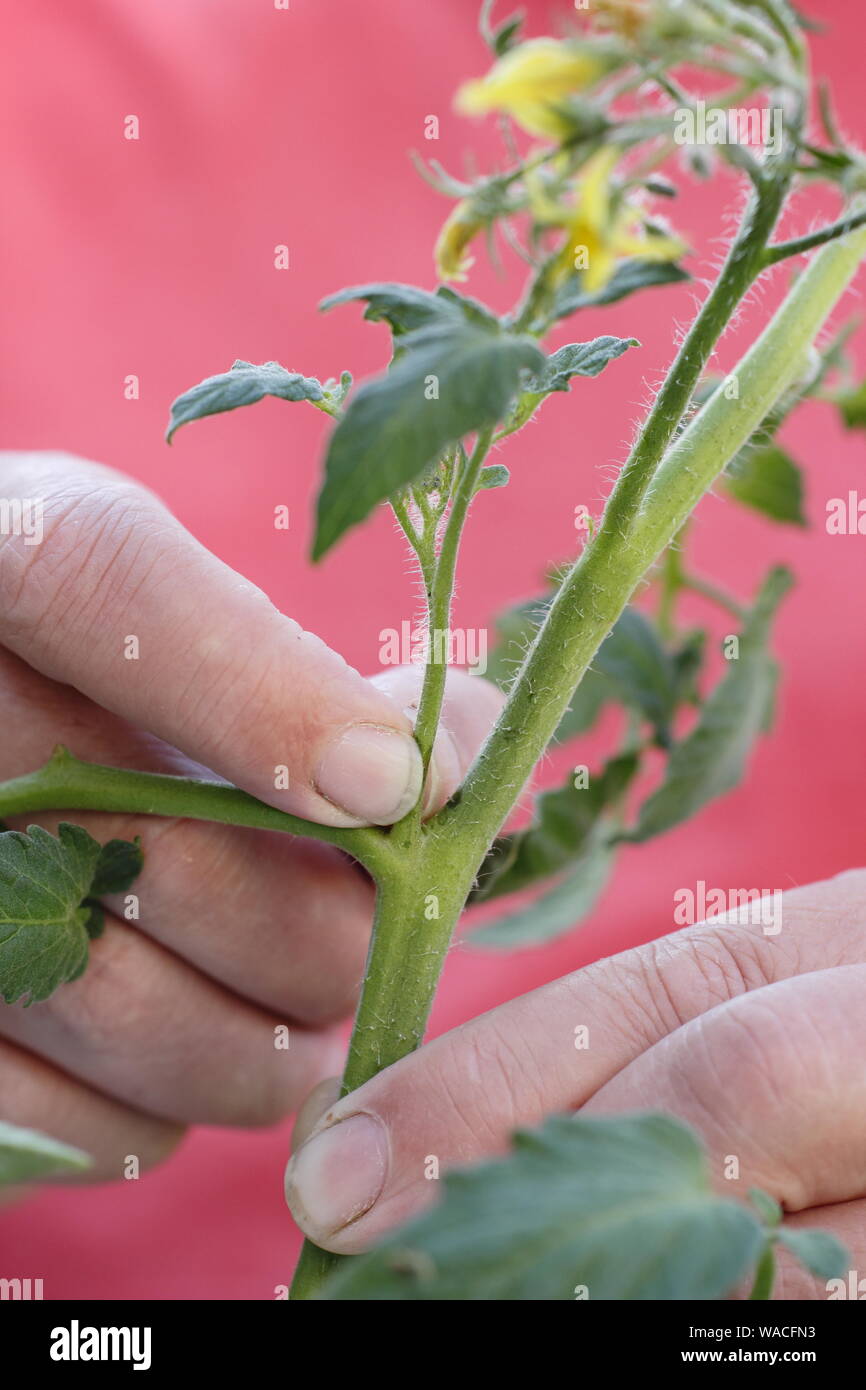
point(101, 588)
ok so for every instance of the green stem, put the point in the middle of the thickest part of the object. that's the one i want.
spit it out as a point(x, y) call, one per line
point(765, 1275)
point(741, 267)
point(417, 907)
point(439, 614)
point(604, 577)
point(780, 250)
point(710, 591)
point(66, 783)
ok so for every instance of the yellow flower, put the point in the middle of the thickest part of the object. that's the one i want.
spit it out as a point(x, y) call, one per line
point(628, 16)
point(449, 253)
point(530, 81)
point(599, 235)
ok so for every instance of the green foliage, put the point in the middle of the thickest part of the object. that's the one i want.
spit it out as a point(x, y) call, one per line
point(852, 405)
point(26, 1154)
point(629, 277)
point(558, 911)
point(575, 359)
point(769, 481)
point(403, 307)
point(452, 377)
point(243, 385)
point(621, 1208)
point(711, 759)
point(578, 359)
point(821, 1253)
point(48, 911)
point(632, 667)
point(564, 822)
point(500, 39)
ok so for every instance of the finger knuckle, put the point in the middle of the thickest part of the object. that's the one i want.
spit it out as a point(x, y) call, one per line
point(95, 538)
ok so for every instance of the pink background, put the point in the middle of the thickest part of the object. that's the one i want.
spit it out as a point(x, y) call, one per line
point(155, 257)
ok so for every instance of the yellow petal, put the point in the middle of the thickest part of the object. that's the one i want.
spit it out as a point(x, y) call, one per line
point(595, 186)
point(529, 81)
point(449, 253)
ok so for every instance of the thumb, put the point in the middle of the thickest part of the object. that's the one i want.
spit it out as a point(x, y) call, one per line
point(216, 670)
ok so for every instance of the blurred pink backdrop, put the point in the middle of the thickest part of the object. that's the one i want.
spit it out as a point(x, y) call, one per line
point(262, 126)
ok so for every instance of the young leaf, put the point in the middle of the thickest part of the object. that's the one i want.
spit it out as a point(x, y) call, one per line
point(768, 480)
point(402, 307)
point(451, 379)
point(578, 359)
point(821, 1253)
point(471, 309)
point(575, 359)
point(497, 475)
point(711, 759)
point(47, 912)
point(766, 1206)
point(243, 385)
point(605, 1208)
point(556, 912)
point(26, 1154)
point(629, 277)
point(561, 830)
point(118, 866)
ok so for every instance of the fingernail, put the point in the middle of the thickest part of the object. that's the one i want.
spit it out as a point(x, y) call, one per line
point(338, 1175)
point(443, 774)
point(372, 773)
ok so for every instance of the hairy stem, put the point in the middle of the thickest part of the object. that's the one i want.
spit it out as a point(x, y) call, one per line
point(780, 250)
point(604, 578)
point(66, 783)
point(439, 614)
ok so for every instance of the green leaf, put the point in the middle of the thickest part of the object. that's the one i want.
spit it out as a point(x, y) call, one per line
point(506, 34)
point(852, 405)
point(711, 759)
point(556, 912)
point(243, 385)
point(575, 359)
point(629, 277)
point(118, 866)
point(687, 660)
point(578, 359)
point(561, 829)
point(500, 39)
point(620, 1207)
point(497, 475)
point(402, 307)
point(821, 1253)
point(47, 915)
point(471, 309)
point(768, 480)
point(639, 669)
point(766, 1206)
point(26, 1154)
point(452, 379)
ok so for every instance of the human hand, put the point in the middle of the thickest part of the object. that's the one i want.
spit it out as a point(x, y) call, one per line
point(241, 930)
point(753, 1039)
